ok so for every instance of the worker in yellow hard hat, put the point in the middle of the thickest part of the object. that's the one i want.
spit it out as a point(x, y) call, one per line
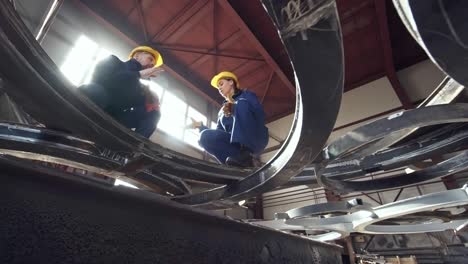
point(116, 88)
point(241, 130)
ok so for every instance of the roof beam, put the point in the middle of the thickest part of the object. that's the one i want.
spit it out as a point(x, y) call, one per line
point(121, 28)
point(207, 53)
point(381, 13)
point(142, 18)
point(267, 88)
point(135, 6)
point(248, 74)
point(189, 17)
point(251, 37)
point(242, 65)
point(219, 46)
point(171, 22)
point(215, 36)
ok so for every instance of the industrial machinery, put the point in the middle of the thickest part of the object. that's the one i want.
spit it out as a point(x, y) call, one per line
point(48, 215)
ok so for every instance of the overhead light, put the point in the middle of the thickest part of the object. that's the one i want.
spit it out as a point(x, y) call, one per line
point(241, 203)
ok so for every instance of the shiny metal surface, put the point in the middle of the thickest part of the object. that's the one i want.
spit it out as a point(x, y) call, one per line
point(366, 220)
point(441, 29)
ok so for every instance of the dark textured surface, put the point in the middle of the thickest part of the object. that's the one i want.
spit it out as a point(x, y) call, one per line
point(48, 218)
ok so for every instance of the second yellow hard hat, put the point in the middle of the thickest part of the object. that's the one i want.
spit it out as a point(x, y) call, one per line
point(223, 75)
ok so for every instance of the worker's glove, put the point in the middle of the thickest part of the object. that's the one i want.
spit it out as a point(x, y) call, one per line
point(227, 109)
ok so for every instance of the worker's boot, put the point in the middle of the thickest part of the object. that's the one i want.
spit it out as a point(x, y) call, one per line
point(244, 159)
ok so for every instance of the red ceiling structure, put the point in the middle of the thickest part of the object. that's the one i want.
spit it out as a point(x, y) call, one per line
point(199, 38)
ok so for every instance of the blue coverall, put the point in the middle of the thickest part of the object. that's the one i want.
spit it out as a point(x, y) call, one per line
point(246, 126)
point(115, 87)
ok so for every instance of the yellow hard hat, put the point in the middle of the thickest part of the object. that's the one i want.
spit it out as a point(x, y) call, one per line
point(223, 75)
point(158, 60)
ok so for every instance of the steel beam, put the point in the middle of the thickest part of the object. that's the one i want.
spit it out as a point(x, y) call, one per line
point(182, 24)
point(48, 20)
point(251, 37)
point(220, 46)
point(267, 86)
point(381, 13)
point(141, 15)
point(208, 53)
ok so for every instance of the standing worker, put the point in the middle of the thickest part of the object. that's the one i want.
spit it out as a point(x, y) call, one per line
point(116, 88)
point(241, 129)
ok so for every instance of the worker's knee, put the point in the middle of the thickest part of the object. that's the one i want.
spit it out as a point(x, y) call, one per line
point(206, 138)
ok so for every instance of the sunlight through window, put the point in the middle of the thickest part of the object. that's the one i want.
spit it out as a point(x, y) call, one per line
point(81, 60)
point(191, 136)
point(172, 115)
point(101, 54)
point(79, 66)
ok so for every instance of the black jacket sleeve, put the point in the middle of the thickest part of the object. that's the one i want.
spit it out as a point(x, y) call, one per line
point(105, 69)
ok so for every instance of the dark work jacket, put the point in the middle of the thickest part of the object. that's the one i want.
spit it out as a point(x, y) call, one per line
point(121, 80)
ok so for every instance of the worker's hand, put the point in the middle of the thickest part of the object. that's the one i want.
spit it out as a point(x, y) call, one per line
point(195, 124)
point(151, 72)
point(227, 109)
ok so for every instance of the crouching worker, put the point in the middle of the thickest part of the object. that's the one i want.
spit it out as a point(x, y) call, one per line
point(116, 88)
point(241, 129)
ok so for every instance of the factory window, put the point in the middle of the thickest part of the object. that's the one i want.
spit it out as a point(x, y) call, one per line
point(81, 60)
point(191, 136)
point(173, 115)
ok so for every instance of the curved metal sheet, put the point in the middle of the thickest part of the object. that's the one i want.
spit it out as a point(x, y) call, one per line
point(441, 28)
point(366, 220)
point(417, 150)
point(41, 144)
point(404, 120)
point(451, 166)
point(316, 108)
point(401, 121)
point(317, 59)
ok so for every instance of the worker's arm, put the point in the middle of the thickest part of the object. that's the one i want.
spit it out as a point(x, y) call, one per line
point(151, 72)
